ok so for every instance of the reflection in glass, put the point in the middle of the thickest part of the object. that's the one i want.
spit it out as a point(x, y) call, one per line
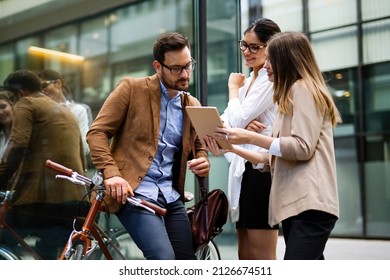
point(94, 47)
point(23, 57)
point(377, 97)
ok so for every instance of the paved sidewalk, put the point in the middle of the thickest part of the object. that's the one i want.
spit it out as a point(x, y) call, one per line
point(337, 249)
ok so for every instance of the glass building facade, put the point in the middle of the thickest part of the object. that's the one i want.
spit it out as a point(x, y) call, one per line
point(113, 39)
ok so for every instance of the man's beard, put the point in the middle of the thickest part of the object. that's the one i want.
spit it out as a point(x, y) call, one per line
point(175, 85)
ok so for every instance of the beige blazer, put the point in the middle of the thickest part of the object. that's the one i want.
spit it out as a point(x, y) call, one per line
point(304, 178)
point(130, 120)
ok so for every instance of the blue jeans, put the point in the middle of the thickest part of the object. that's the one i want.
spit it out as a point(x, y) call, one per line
point(159, 238)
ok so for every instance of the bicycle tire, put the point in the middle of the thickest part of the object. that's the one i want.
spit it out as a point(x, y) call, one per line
point(131, 252)
point(6, 254)
point(77, 252)
point(209, 251)
point(125, 245)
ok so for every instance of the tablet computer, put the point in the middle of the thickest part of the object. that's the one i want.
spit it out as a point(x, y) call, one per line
point(205, 119)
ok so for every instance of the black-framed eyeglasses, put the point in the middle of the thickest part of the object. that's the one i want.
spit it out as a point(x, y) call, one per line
point(177, 70)
point(47, 83)
point(253, 48)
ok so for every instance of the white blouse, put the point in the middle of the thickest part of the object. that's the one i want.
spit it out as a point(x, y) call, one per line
point(255, 104)
point(3, 143)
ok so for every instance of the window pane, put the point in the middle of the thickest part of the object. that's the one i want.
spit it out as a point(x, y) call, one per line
point(324, 14)
point(377, 97)
point(132, 53)
point(223, 53)
point(64, 40)
point(377, 165)
point(289, 17)
point(375, 9)
point(25, 58)
point(376, 41)
point(351, 222)
point(336, 49)
point(343, 86)
point(378, 186)
point(7, 61)
point(94, 47)
point(223, 57)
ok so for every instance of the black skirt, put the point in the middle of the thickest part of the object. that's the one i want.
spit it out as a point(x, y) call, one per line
point(254, 199)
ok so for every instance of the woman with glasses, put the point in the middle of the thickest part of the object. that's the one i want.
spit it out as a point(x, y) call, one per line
point(250, 106)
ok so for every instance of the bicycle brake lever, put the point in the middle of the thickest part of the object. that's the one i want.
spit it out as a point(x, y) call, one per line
point(137, 202)
point(73, 180)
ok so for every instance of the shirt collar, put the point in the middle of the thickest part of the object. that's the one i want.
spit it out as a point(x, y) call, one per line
point(164, 91)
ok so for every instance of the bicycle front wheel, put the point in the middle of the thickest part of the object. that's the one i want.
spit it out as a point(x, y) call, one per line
point(77, 252)
point(209, 251)
point(6, 254)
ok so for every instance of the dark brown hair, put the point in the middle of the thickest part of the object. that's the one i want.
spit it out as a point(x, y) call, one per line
point(264, 28)
point(166, 42)
point(22, 80)
point(49, 74)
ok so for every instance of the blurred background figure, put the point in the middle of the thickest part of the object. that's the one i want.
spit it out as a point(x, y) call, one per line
point(42, 129)
point(54, 86)
point(6, 116)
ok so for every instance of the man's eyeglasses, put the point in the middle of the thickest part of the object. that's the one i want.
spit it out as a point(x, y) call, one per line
point(253, 48)
point(47, 83)
point(176, 70)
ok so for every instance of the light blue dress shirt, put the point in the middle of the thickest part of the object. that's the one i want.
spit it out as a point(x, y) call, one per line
point(159, 176)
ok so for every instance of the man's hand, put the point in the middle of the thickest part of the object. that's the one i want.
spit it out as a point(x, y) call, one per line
point(118, 188)
point(199, 166)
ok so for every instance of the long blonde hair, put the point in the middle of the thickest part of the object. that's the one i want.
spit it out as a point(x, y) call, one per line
point(292, 59)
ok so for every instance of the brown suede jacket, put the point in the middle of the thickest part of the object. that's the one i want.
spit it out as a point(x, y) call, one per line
point(123, 138)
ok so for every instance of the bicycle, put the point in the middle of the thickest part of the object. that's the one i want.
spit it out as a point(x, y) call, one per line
point(82, 243)
point(114, 243)
point(5, 252)
point(24, 248)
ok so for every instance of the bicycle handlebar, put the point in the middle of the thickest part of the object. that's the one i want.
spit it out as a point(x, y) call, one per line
point(141, 202)
point(68, 172)
point(72, 174)
point(59, 168)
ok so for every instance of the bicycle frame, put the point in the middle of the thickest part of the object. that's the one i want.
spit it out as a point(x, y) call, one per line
point(4, 207)
point(85, 233)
